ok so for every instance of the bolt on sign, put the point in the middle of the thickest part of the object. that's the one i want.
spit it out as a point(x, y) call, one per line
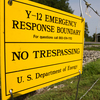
point(40, 46)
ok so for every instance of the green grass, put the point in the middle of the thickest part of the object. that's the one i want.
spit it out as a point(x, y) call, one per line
point(92, 48)
point(91, 72)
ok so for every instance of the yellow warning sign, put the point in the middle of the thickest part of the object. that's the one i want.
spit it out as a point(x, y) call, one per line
point(40, 46)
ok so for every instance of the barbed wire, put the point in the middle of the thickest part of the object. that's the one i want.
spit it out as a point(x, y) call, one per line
point(90, 88)
point(88, 5)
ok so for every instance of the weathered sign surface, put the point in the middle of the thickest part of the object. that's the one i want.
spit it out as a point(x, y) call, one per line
point(40, 46)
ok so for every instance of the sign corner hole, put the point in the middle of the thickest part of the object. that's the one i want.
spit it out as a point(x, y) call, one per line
point(10, 2)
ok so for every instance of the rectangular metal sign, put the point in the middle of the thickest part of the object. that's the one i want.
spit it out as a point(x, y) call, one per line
point(40, 46)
